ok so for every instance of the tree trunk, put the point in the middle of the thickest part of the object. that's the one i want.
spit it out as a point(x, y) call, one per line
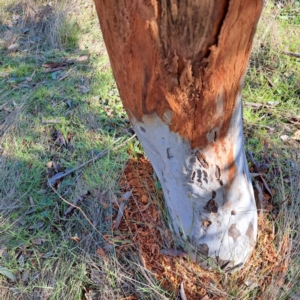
point(179, 68)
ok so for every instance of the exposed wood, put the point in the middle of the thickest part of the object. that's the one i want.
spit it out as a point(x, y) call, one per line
point(180, 56)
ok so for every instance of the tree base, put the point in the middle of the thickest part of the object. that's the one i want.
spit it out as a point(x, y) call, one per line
point(209, 196)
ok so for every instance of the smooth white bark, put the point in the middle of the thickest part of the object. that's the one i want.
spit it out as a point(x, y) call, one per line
point(215, 218)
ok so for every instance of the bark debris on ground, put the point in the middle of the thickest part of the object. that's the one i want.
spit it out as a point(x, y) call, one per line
point(143, 223)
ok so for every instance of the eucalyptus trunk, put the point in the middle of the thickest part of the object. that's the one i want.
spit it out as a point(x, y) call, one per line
point(179, 67)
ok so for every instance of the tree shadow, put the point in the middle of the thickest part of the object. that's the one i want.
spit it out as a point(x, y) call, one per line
point(79, 103)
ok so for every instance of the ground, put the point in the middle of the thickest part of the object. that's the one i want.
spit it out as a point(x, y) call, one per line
point(60, 108)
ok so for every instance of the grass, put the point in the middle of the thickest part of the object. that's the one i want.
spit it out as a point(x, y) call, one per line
point(273, 77)
point(46, 255)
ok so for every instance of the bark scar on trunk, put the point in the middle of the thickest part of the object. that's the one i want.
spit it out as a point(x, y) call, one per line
point(218, 172)
point(201, 158)
point(203, 249)
point(193, 175)
point(211, 206)
point(206, 223)
point(205, 177)
point(234, 232)
point(169, 153)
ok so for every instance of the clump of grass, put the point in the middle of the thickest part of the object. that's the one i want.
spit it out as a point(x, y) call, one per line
point(41, 25)
point(273, 79)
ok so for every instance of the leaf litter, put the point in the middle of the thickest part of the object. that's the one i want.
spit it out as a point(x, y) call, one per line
point(7, 273)
point(76, 203)
point(143, 224)
point(143, 230)
point(124, 199)
point(60, 140)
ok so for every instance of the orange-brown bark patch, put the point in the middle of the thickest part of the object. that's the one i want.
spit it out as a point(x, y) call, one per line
point(181, 56)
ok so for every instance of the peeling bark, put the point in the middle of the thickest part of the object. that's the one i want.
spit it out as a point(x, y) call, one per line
point(179, 68)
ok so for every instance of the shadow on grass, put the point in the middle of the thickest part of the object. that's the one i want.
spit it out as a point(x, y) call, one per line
point(47, 253)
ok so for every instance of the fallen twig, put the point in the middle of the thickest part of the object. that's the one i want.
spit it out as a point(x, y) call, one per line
point(65, 75)
point(271, 84)
point(257, 171)
point(173, 252)
point(256, 174)
point(255, 105)
point(46, 122)
point(55, 69)
point(125, 197)
point(75, 203)
point(260, 196)
point(291, 54)
point(54, 65)
point(77, 207)
point(258, 105)
point(51, 181)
